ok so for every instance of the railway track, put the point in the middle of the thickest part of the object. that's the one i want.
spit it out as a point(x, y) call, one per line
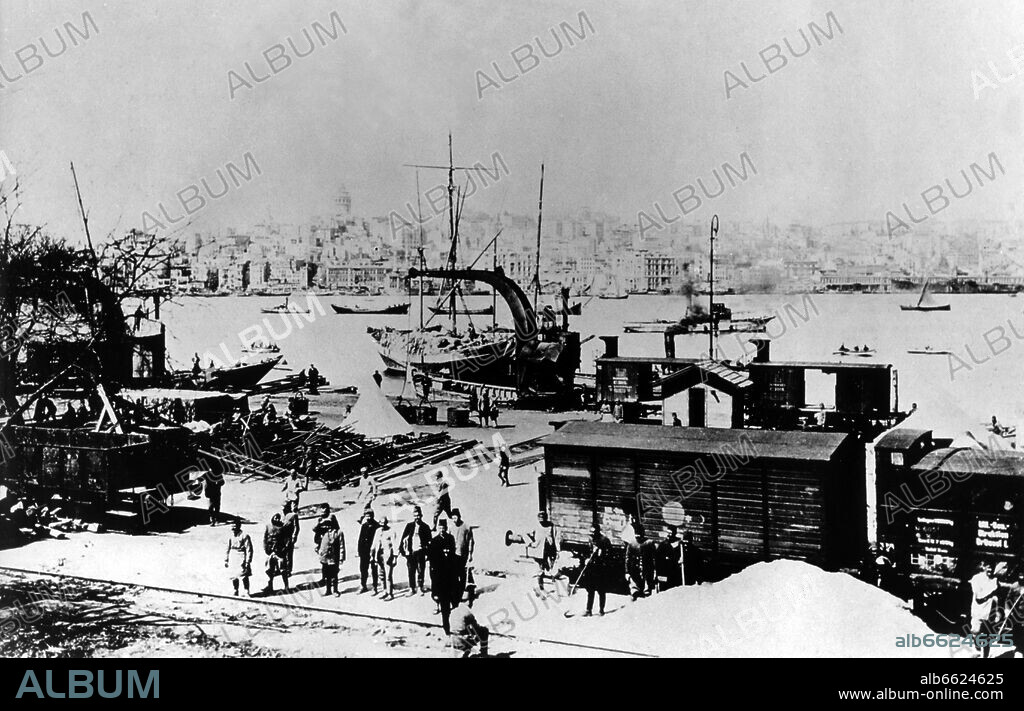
point(266, 602)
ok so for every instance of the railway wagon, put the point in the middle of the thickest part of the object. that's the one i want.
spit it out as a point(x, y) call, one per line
point(943, 510)
point(744, 495)
point(105, 471)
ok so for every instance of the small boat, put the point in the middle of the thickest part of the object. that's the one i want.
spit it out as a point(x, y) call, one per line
point(925, 302)
point(861, 352)
point(928, 350)
point(263, 347)
point(393, 310)
point(613, 296)
point(241, 375)
point(440, 311)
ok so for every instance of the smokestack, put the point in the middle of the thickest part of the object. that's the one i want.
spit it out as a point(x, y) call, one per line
point(611, 346)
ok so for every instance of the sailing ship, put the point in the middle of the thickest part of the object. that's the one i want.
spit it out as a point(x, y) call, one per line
point(617, 294)
point(393, 310)
point(925, 302)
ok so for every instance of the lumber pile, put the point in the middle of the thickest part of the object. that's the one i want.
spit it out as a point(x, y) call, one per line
point(341, 454)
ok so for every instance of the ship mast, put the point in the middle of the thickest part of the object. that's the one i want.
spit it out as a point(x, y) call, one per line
point(712, 324)
point(540, 215)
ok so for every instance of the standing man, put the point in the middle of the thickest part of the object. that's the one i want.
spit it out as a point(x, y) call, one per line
point(377, 377)
point(331, 550)
point(314, 380)
point(414, 543)
point(213, 483)
point(542, 546)
point(367, 531)
point(464, 546)
point(668, 562)
point(444, 498)
point(384, 551)
point(238, 559)
point(273, 546)
point(485, 409)
point(474, 403)
point(648, 554)
point(292, 487)
point(594, 577)
point(503, 465)
point(427, 382)
point(693, 560)
point(635, 572)
point(442, 572)
point(1014, 609)
point(676, 422)
point(368, 489)
point(289, 536)
point(984, 589)
point(308, 463)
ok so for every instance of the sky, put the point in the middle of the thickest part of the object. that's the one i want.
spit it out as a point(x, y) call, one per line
point(633, 111)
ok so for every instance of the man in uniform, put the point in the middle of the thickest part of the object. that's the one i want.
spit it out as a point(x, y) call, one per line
point(669, 558)
point(441, 554)
point(292, 487)
point(636, 573)
point(503, 465)
point(444, 498)
point(594, 578)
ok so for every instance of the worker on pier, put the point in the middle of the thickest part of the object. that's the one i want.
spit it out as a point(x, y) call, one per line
point(1014, 611)
point(676, 422)
point(331, 550)
point(441, 554)
point(464, 547)
point(503, 465)
point(693, 561)
point(984, 591)
point(314, 380)
point(668, 562)
point(443, 502)
point(308, 463)
point(474, 405)
point(369, 489)
point(292, 487)
point(413, 545)
point(275, 549)
point(427, 383)
point(45, 410)
point(238, 559)
point(197, 368)
point(467, 633)
point(384, 551)
point(367, 531)
point(594, 577)
point(212, 485)
point(485, 409)
point(542, 546)
point(636, 570)
point(378, 378)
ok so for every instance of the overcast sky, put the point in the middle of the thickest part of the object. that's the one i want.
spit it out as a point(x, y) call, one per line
point(632, 112)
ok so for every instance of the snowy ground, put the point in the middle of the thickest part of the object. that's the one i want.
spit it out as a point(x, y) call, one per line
point(783, 608)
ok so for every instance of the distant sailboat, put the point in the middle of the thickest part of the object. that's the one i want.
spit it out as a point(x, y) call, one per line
point(925, 302)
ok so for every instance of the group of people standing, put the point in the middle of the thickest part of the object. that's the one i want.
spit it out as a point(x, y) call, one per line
point(650, 565)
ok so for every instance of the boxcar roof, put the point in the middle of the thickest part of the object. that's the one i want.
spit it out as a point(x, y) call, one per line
point(973, 461)
point(901, 438)
point(772, 444)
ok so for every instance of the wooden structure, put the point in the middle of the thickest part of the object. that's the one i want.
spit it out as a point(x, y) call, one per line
point(104, 470)
point(746, 495)
point(944, 510)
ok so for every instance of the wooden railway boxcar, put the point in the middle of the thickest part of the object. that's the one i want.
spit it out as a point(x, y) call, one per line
point(945, 510)
point(745, 495)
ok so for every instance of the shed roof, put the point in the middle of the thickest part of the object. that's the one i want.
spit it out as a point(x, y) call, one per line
point(771, 444)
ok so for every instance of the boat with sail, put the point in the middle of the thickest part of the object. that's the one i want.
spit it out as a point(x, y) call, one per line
point(925, 302)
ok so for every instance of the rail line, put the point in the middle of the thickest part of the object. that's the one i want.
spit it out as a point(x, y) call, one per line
point(314, 608)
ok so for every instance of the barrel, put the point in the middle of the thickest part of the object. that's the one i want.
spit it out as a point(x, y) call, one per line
point(458, 417)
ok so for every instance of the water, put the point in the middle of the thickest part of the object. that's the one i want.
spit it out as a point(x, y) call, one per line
point(954, 392)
